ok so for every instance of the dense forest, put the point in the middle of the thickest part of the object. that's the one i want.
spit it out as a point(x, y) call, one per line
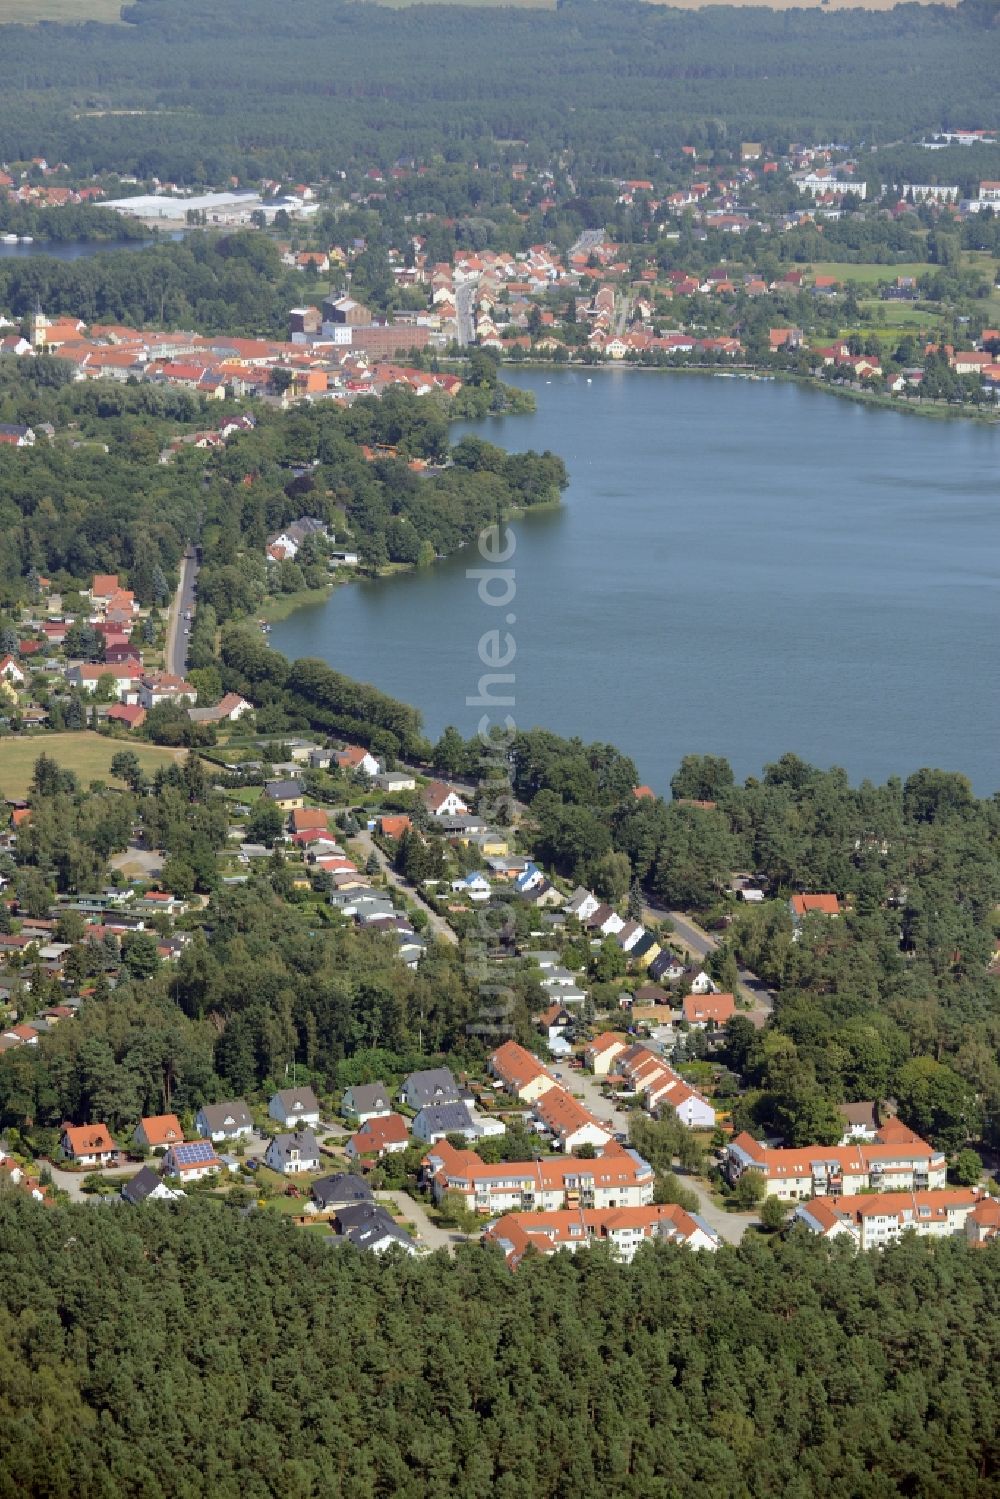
point(231, 283)
point(331, 87)
point(188, 1350)
point(71, 510)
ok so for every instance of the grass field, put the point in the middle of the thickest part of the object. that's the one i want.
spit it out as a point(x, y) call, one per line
point(88, 755)
point(866, 274)
point(28, 11)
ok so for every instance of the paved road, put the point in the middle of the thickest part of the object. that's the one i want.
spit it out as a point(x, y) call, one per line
point(175, 653)
point(436, 923)
point(427, 1232)
point(465, 296)
point(699, 942)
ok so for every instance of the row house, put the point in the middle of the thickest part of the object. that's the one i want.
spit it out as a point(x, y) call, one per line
point(568, 1123)
point(898, 1161)
point(661, 1088)
point(617, 1178)
point(520, 1074)
point(624, 1229)
point(872, 1221)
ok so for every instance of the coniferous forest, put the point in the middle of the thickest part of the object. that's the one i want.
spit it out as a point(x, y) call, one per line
point(189, 1351)
point(256, 89)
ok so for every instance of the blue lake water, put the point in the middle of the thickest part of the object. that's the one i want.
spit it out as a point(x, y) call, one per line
point(738, 568)
point(80, 249)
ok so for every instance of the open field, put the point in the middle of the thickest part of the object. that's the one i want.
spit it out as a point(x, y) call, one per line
point(26, 12)
point(867, 273)
point(87, 754)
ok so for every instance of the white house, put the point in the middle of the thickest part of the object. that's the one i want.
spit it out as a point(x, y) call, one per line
point(192, 1161)
point(224, 1121)
point(88, 1145)
point(364, 1101)
point(355, 758)
point(146, 1186)
point(581, 904)
point(437, 1121)
point(295, 1106)
point(291, 1154)
point(11, 672)
point(475, 885)
point(602, 1051)
point(443, 801)
point(396, 780)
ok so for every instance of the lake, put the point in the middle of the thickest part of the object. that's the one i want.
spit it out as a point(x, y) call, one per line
point(80, 249)
point(739, 568)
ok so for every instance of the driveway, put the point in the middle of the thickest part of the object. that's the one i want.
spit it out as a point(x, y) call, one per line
point(729, 1226)
point(426, 1232)
point(72, 1181)
point(436, 924)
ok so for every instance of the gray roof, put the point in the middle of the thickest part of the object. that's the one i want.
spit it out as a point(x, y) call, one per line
point(297, 1100)
point(282, 791)
point(341, 1191)
point(366, 1225)
point(140, 1186)
point(448, 1119)
point(436, 1085)
point(305, 1142)
point(231, 1115)
point(368, 1096)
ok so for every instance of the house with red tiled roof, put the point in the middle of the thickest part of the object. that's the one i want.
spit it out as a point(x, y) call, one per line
point(520, 1074)
point(376, 1138)
point(88, 1144)
point(129, 714)
point(708, 1009)
point(616, 1178)
point(164, 687)
point(983, 1223)
point(898, 1160)
point(309, 819)
point(567, 1122)
point(442, 800)
point(874, 1220)
point(624, 1229)
point(11, 672)
point(158, 1131)
point(394, 827)
point(600, 1053)
point(354, 758)
point(806, 905)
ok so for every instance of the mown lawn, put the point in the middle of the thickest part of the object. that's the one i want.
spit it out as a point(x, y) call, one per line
point(87, 754)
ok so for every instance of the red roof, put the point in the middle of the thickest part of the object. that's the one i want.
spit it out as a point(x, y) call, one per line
point(699, 1008)
point(826, 905)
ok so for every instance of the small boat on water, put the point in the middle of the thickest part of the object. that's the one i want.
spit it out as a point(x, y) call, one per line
point(27, 239)
point(9, 239)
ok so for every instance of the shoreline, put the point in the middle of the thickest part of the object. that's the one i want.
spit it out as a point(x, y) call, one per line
point(935, 410)
point(284, 605)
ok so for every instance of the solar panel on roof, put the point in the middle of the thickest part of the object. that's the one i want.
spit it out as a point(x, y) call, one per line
point(198, 1150)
